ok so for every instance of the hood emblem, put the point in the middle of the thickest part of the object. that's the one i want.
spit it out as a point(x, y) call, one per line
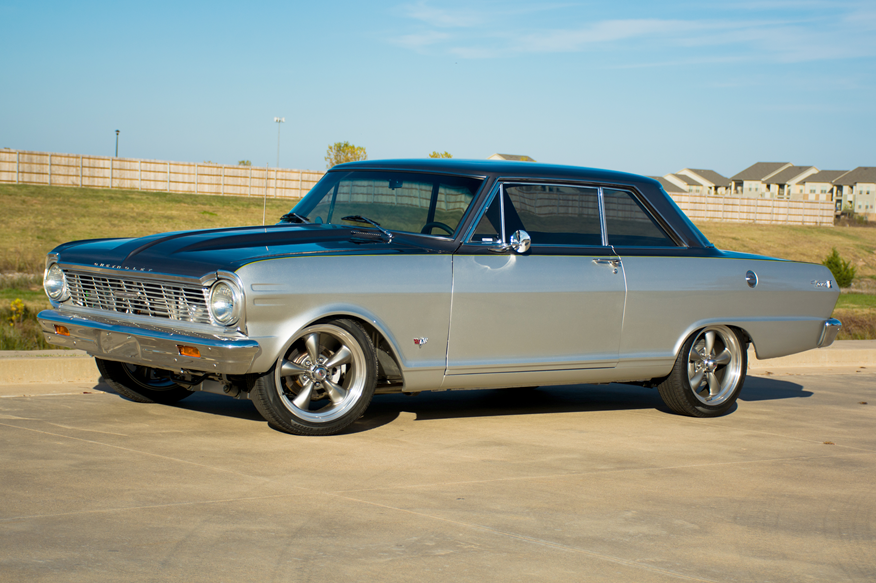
point(125, 267)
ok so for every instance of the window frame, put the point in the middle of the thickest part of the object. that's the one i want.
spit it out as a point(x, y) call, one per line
point(498, 189)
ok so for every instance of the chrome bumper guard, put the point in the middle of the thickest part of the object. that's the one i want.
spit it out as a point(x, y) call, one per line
point(149, 347)
point(828, 334)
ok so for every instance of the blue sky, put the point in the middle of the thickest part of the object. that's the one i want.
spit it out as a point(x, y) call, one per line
point(647, 87)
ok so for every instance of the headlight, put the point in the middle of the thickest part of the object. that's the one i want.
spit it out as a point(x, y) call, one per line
point(225, 303)
point(55, 284)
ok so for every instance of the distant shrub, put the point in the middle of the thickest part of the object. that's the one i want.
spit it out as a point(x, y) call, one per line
point(842, 271)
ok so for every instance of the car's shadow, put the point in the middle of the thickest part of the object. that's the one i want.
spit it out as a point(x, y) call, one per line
point(384, 409)
point(765, 388)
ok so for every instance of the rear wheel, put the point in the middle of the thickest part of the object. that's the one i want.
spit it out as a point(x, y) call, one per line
point(323, 383)
point(140, 383)
point(708, 373)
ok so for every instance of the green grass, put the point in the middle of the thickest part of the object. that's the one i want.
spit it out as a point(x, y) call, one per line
point(856, 301)
point(38, 218)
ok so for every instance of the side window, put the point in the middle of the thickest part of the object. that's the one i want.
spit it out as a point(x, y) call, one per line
point(628, 224)
point(554, 214)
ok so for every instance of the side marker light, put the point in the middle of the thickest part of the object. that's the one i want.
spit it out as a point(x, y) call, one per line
point(189, 351)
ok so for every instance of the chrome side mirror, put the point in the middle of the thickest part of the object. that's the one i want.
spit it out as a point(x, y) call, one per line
point(520, 241)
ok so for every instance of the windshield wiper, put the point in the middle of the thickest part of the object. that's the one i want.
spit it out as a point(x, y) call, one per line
point(294, 218)
point(361, 219)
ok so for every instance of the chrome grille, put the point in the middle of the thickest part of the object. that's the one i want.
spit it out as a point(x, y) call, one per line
point(172, 301)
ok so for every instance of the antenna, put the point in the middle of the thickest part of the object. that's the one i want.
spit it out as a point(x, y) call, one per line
point(265, 205)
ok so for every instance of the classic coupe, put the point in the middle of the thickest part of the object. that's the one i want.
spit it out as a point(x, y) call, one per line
point(418, 275)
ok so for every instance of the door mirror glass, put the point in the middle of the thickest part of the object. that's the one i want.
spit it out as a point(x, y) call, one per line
point(520, 241)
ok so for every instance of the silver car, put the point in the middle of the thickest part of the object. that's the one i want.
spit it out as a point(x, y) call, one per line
point(413, 275)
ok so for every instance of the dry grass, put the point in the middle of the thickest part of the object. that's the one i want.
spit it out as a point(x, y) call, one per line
point(37, 218)
point(812, 244)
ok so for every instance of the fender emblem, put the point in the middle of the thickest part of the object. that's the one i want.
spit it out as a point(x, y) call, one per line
point(817, 283)
point(420, 341)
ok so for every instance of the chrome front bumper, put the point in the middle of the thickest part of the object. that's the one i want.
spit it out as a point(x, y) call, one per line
point(148, 346)
point(828, 334)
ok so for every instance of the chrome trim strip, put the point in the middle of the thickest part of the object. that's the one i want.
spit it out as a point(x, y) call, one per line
point(149, 347)
point(502, 210)
point(150, 275)
point(828, 334)
point(602, 227)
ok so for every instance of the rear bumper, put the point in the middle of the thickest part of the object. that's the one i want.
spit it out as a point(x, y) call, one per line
point(149, 347)
point(828, 334)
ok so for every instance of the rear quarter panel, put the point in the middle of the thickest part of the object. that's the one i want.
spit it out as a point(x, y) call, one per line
point(668, 298)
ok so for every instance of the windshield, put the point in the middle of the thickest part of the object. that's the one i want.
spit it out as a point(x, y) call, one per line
point(405, 202)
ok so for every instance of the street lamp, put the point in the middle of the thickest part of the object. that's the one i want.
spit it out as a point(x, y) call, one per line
point(117, 143)
point(278, 120)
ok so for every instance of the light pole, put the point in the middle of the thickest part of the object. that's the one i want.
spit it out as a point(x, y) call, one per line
point(117, 143)
point(279, 120)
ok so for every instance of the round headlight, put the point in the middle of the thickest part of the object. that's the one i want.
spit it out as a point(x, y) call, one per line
point(55, 284)
point(225, 303)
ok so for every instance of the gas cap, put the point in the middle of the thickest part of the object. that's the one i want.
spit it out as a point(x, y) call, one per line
point(751, 278)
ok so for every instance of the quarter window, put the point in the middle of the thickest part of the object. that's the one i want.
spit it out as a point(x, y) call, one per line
point(628, 224)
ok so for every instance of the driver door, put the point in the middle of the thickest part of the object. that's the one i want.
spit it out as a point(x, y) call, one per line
point(558, 306)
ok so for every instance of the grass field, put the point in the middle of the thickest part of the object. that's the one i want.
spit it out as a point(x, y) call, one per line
point(37, 218)
point(812, 244)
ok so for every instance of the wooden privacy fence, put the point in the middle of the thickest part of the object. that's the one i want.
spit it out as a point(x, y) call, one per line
point(20, 167)
point(766, 211)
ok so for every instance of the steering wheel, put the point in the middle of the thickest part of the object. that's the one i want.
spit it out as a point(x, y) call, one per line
point(427, 228)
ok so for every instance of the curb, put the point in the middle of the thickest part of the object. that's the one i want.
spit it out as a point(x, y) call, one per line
point(73, 366)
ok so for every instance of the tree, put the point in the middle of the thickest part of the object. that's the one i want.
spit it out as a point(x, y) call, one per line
point(341, 152)
point(244, 163)
point(843, 272)
point(440, 155)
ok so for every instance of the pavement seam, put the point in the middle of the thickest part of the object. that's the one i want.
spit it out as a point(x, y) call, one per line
point(600, 472)
point(128, 449)
point(473, 526)
point(533, 540)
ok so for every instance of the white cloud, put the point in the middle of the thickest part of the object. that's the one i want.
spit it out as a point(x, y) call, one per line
point(811, 33)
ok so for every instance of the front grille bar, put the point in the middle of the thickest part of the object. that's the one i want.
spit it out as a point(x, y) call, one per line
point(171, 301)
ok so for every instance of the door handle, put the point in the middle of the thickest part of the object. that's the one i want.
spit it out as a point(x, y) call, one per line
point(604, 261)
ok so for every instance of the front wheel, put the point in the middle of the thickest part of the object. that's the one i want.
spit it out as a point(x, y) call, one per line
point(140, 383)
point(708, 373)
point(323, 383)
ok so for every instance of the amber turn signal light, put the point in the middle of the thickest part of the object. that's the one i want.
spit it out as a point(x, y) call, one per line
point(61, 330)
point(189, 351)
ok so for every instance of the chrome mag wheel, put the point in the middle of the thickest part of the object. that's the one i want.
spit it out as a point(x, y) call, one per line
point(323, 375)
point(323, 383)
point(714, 365)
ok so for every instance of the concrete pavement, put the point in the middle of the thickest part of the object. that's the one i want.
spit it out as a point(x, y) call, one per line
point(587, 483)
point(61, 366)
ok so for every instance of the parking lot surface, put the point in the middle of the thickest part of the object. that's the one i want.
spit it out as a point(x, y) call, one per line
point(587, 483)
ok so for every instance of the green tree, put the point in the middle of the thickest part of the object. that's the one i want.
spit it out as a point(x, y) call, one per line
point(341, 152)
point(244, 163)
point(444, 154)
point(843, 272)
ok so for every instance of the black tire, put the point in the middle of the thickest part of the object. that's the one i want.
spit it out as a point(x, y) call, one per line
point(323, 383)
point(140, 383)
point(708, 374)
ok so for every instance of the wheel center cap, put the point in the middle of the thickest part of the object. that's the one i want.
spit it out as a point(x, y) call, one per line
point(710, 365)
point(319, 374)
